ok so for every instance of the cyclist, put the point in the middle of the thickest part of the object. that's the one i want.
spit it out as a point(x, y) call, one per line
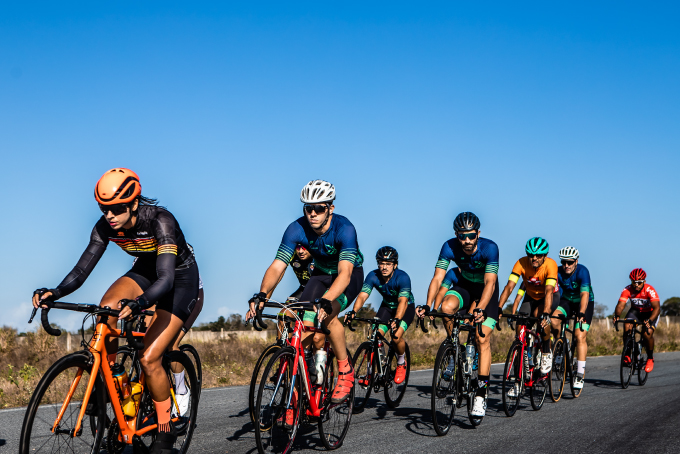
point(577, 298)
point(397, 308)
point(165, 274)
point(539, 274)
point(336, 279)
point(645, 306)
point(477, 259)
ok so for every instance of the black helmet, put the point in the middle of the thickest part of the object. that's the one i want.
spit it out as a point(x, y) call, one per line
point(466, 221)
point(387, 254)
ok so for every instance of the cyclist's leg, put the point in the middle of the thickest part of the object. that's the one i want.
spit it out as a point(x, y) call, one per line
point(484, 343)
point(546, 345)
point(452, 303)
point(648, 337)
point(560, 308)
point(527, 307)
point(124, 288)
point(316, 287)
point(177, 368)
point(581, 342)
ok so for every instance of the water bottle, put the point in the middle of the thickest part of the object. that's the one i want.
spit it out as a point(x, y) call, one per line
point(530, 359)
point(469, 356)
point(320, 365)
point(475, 365)
point(526, 361)
point(131, 404)
point(120, 378)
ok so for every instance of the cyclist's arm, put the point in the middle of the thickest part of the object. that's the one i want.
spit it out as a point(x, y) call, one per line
point(549, 289)
point(435, 284)
point(401, 308)
point(273, 276)
point(656, 310)
point(341, 282)
point(360, 301)
point(509, 287)
point(490, 280)
point(585, 299)
point(269, 294)
point(518, 298)
point(439, 299)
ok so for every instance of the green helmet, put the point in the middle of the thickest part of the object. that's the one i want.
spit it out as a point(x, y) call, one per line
point(537, 246)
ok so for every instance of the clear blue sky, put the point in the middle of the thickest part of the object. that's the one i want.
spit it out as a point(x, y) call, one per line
point(561, 122)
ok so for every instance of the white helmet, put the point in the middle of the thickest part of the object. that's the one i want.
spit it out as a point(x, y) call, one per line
point(569, 253)
point(317, 191)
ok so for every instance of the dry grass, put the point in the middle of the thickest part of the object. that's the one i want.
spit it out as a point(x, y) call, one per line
point(230, 362)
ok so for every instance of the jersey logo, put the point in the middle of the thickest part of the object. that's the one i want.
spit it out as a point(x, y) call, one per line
point(330, 249)
point(121, 233)
point(142, 233)
point(296, 265)
point(534, 281)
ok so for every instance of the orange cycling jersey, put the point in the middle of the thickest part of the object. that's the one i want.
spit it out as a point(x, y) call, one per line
point(535, 279)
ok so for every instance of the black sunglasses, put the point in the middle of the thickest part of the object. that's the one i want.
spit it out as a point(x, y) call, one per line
point(531, 256)
point(469, 236)
point(568, 262)
point(116, 209)
point(318, 209)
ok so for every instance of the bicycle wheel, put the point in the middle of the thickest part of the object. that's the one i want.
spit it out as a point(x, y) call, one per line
point(642, 362)
point(335, 418)
point(627, 367)
point(559, 370)
point(192, 354)
point(512, 379)
point(275, 390)
point(257, 376)
point(539, 390)
point(183, 418)
point(395, 392)
point(69, 375)
point(445, 392)
point(364, 373)
point(572, 375)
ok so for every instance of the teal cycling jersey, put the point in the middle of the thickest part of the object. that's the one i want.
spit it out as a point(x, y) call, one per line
point(472, 267)
point(572, 285)
point(398, 286)
point(452, 278)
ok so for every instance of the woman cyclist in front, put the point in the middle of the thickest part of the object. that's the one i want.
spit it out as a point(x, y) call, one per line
point(165, 274)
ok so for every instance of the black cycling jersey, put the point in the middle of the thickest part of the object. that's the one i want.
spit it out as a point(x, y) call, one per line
point(302, 268)
point(156, 240)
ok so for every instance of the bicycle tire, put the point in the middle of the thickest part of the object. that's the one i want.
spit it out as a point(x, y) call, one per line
point(394, 392)
point(364, 371)
point(627, 370)
point(185, 422)
point(642, 362)
point(539, 390)
point(443, 398)
point(559, 370)
point(193, 355)
point(572, 376)
point(270, 436)
point(512, 374)
point(261, 362)
point(335, 418)
point(36, 434)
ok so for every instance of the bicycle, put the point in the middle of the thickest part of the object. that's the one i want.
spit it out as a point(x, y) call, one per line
point(375, 368)
point(286, 385)
point(450, 393)
point(519, 374)
point(564, 360)
point(636, 353)
point(55, 418)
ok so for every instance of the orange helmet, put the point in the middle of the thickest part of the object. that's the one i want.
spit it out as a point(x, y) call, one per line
point(117, 186)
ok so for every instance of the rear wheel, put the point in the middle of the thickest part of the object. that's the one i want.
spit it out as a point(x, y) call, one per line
point(512, 379)
point(559, 370)
point(445, 391)
point(627, 365)
point(271, 433)
point(257, 376)
point(71, 372)
point(642, 374)
point(394, 392)
point(572, 376)
point(539, 390)
point(335, 418)
point(364, 373)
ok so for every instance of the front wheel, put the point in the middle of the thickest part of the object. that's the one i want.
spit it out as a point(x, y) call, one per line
point(261, 363)
point(539, 390)
point(559, 370)
point(627, 362)
point(70, 373)
point(445, 384)
point(192, 354)
point(335, 418)
point(364, 374)
point(512, 379)
point(574, 367)
point(642, 374)
point(394, 392)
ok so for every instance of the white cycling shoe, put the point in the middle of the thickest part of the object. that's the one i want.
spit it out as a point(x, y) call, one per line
point(183, 401)
point(546, 363)
point(514, 392)
point(479, 407)
point(578, 382)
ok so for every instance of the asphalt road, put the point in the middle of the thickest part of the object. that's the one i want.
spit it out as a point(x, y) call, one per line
point(605, 418)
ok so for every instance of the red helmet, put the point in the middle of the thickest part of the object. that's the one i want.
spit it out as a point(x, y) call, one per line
point(117, 186)
point(638, 274)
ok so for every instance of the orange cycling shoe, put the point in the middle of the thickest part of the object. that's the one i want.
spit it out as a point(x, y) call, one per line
point(343, 386)
point(626, 360)
point(649, 366)
point(364, 381)
point(286, 420)
point(400, 373)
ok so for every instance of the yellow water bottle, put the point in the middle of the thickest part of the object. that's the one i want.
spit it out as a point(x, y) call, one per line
point(131, 404)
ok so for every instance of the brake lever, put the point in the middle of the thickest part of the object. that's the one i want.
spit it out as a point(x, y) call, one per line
point(35, 311)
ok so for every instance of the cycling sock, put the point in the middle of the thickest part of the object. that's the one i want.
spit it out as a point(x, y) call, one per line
point(180, 385)
point(545, 347)
point(343, 365)
point(111, 357)
point(401, 359)
point(482, 385)
point(650, 354)
point(580, 367)
point(163, 414)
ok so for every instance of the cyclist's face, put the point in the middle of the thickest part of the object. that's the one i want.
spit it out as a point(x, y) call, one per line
point(315, 219)
point(302, 253)
point(386, 268)
point(569, 265)
point(468, 240)
point(637, 285)
point(536, 260)
point(118, 221)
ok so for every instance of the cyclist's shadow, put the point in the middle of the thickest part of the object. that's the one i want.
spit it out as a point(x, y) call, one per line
point(603, 383)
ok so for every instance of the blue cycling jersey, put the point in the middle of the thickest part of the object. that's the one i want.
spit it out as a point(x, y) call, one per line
point(472, 267)
point(452, 277)
point(338, 243)
point(399, 285)
point(573, 285)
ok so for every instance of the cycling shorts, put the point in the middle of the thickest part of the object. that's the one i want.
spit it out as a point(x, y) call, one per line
point(475, 290)
point(567, 308)
point(641, 316)
point(319, 283)
point(529, 305)
point(198, 307)
point(385, 313)
point(181, 299)
point(297, 293)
